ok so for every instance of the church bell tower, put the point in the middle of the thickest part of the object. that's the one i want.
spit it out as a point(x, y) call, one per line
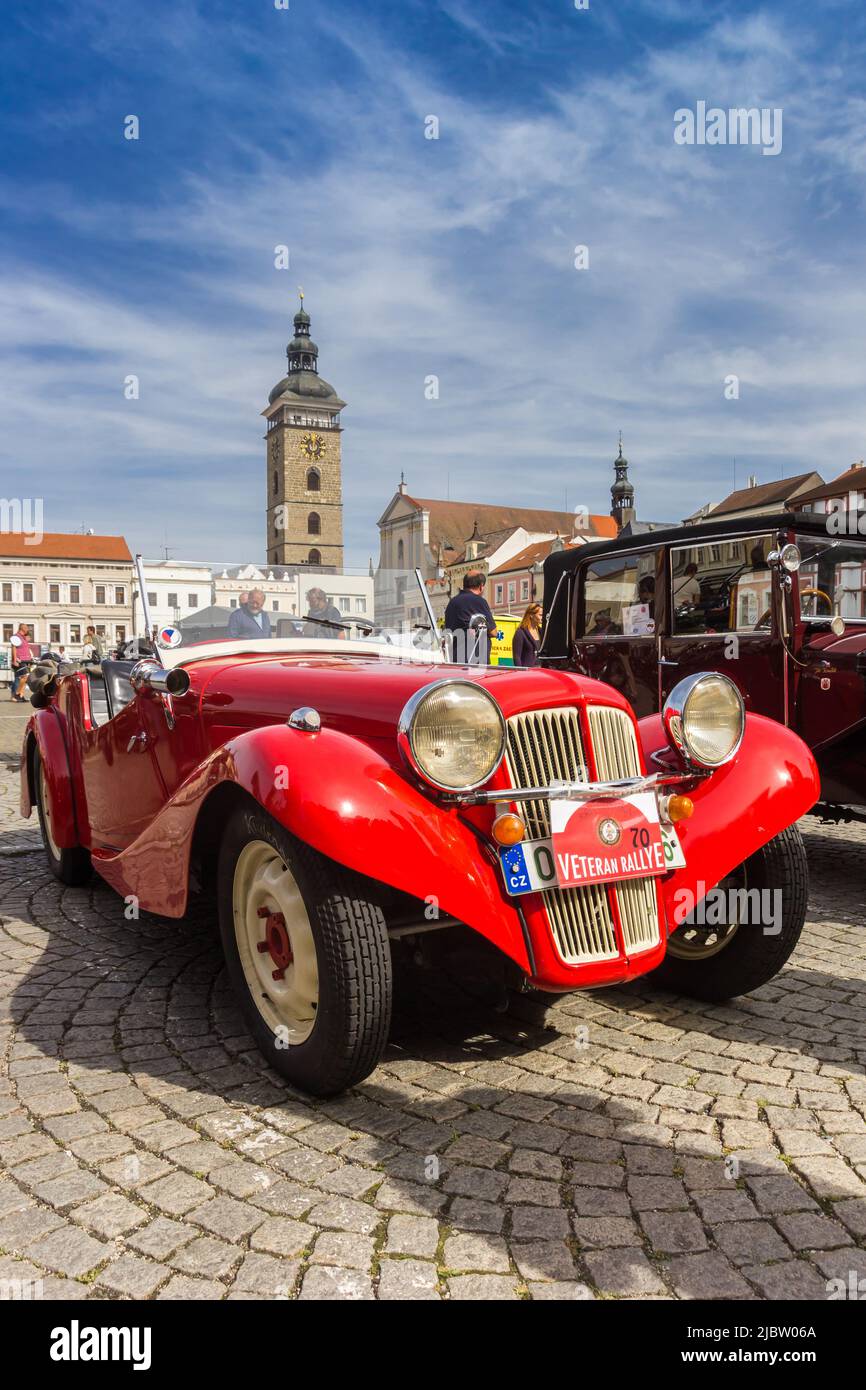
point(303, 461)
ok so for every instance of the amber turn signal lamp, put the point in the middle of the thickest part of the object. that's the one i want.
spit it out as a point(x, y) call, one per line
point(680, 808)
point(508, 829)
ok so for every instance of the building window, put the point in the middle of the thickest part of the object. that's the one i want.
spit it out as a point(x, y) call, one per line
point(119, 594)
point(275, 605)
point(8, 629)
point(75, 632)
point(100, 629)
point(233, 603)
point(26, 593)
point(54, 594)
point(314, 480)
point(314, 557)
point(54, 632)
point(499, 593)
point(120, 633)
point(276, 482)
point(524, 589)
point(151, 599)
point(314, 524)
point(343, 602)
point(401, 555)
point(100, 593)
point(75, 593)
point(512, 591)
point(192, 600)
point(360, 605)
point(172, 600)
point(7, 593)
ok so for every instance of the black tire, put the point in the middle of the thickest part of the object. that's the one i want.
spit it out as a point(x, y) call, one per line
point(71, 866)
point(752, 956)
point(353, 960)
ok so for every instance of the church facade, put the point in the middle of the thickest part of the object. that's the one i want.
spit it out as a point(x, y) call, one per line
point(303, 461)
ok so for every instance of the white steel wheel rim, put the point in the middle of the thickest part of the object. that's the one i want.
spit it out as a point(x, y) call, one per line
point(263, 879)
point(45, 807)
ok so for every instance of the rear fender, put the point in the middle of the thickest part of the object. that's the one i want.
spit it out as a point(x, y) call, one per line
point(343, 799)
point(45, 732)
point(772, 781)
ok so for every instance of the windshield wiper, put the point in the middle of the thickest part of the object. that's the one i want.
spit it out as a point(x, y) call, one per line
point(332, 622)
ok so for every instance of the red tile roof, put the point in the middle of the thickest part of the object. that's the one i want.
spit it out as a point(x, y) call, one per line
point(524, 559)
point(453, 523)
point(57, 545)
point(763, 495)
point(852, 480)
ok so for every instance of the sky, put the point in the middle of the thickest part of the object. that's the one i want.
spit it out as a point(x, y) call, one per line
point(452, 258)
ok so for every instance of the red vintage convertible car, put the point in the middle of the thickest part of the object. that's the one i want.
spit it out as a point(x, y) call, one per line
point(341, 794)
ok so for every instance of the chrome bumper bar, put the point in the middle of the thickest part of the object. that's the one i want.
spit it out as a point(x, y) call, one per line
point(580, 791)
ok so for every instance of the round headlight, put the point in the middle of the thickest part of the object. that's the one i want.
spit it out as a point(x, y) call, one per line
point(704, 717)
point(452, 734)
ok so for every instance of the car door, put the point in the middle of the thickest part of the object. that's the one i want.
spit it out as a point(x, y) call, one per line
point(122, 780)
point(615, 625)
point(722, 617)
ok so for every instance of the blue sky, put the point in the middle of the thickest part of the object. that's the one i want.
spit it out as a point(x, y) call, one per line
point(452, 257)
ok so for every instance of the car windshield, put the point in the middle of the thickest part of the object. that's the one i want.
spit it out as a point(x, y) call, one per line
point(287, 606)
point(832, 578)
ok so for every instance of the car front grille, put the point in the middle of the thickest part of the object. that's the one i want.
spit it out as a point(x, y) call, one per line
point(545, 746)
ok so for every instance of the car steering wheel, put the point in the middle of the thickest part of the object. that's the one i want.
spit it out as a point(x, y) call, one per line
point(817, 593)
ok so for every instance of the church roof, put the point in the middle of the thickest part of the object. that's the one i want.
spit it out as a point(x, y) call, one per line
point(452, 522)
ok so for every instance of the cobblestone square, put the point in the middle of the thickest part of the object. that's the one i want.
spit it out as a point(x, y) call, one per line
point(686, 1151)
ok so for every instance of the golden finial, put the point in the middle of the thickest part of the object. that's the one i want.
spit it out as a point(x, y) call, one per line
point(301, 293)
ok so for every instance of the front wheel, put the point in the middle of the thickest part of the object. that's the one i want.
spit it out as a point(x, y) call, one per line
point(72, 866)
point(307, 952)
point(743, 932)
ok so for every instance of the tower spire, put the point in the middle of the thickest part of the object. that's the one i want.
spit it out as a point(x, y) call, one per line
point(622, 493)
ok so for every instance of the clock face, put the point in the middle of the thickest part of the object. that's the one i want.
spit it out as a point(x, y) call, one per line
point(313, 446)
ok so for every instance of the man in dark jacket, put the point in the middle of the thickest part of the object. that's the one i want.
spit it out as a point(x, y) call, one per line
point(250, 619)
point(469, 619)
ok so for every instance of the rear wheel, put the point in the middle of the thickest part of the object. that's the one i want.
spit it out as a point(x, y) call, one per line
point(308, 954)
point(744, 932)
point(71, 866)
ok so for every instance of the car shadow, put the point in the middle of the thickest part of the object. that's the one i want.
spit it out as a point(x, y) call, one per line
point(535, 1123)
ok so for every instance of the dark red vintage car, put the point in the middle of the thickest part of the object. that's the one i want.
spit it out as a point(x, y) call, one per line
point(343, 794)
point(776, 603)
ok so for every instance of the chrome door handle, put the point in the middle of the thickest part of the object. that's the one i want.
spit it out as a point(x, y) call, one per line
point(137, 739)
point(663, 661)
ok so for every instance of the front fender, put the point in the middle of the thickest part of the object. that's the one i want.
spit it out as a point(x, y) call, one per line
point(343, 799)
point(772, 781)
point(45, 732)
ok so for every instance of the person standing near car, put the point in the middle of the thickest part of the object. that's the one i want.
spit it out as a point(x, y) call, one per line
point(320, 613)
point(250, 620)
point(469, 620)
point(93, 650)
point(524, 645)
point(22, 660)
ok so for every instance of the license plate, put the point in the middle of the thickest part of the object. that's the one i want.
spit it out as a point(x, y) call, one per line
point(531, 867)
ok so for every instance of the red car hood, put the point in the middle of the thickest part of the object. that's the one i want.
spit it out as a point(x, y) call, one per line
point(364, 696)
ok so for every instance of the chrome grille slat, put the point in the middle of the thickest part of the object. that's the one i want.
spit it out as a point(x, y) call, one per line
point(546, 745)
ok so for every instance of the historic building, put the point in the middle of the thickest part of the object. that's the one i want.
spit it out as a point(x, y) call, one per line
point(446, 539)
point(59, 584)
point(303, 461)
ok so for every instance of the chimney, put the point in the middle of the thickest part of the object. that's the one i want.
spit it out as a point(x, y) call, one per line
point(753, 481)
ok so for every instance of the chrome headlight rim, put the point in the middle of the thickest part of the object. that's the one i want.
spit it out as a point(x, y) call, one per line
point(404, 735)
point(674, 719)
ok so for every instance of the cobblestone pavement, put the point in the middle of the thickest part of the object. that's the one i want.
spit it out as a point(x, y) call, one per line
point(576, 1150)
